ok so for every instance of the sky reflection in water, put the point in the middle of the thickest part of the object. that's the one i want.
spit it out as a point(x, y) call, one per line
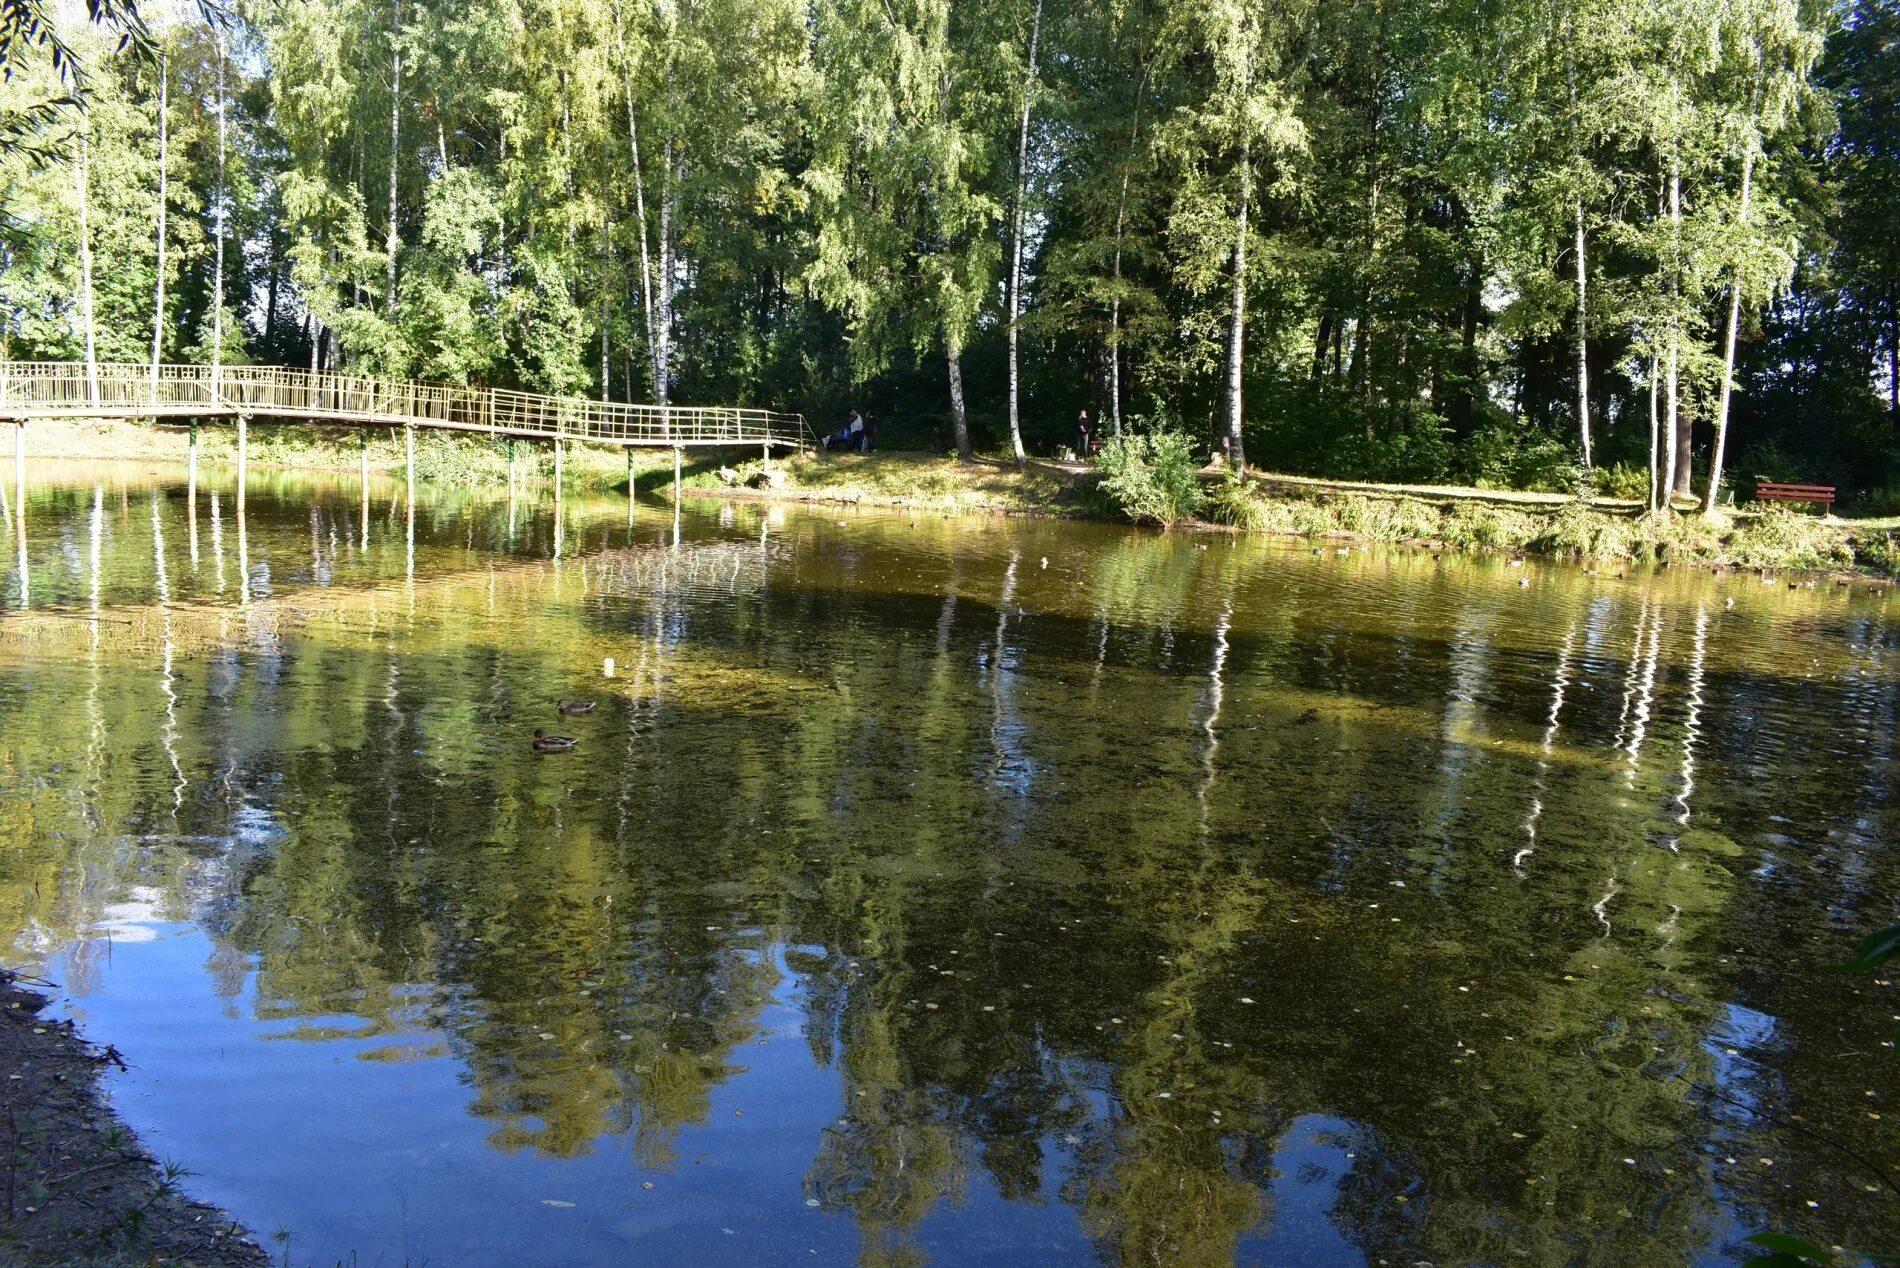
point(947, 890)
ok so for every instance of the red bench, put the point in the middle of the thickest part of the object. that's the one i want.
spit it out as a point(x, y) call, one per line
point(1821, 495)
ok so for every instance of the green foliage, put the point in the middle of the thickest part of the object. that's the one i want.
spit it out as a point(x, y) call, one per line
point(1151, 476)
point(1879, 551)
point(1623, 481)
point(1779, 537)
point(1874, 950)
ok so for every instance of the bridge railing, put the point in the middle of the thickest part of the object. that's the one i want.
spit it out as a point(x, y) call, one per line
point(64, 389)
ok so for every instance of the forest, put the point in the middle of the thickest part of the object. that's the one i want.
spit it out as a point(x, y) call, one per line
point(1646, 245)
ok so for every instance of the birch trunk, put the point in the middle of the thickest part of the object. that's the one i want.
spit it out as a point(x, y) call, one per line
point(395, 144)
point(663, 292)
point(217, 284)
point(959, 420)
point(1728, 351)
point(82, 179)
point(1237, 331)
point(1115, 316)
point(1583, 308)
point(158, 290)
point(1675, 286)
point(1115, 294)
point(639, 188)
point(1655, 439)
point(1583, 343)
point(1016, 235)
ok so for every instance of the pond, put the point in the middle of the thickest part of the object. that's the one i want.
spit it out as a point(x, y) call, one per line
point(948, 890)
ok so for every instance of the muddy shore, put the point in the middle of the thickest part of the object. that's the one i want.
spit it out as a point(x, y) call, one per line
point(76, 1187)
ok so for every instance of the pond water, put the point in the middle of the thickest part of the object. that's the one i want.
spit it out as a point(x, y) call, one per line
point(948, 890)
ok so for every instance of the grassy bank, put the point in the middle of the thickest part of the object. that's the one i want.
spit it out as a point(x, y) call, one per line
point(1459, 519)
point(75, 1187)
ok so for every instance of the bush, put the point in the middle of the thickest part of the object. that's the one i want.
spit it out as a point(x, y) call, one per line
point(1151, 476)
point(1781, 538)
point(1236, 502)
point(1631, 484)
point(1880, 551)
point(1578, 530)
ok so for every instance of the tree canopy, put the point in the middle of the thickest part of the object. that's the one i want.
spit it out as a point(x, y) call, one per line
point(1404, 239)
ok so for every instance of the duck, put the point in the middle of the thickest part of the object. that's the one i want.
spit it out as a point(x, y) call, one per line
point(545, 743)
point(572, 707)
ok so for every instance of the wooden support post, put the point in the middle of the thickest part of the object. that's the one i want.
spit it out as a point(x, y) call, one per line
point(243, 457)
point(511, 470)
point(558, 451)
point(362, 467)
point(409, 457)
point(679, 458)
point(191, 488)
point(629, 486)
point(19, 476)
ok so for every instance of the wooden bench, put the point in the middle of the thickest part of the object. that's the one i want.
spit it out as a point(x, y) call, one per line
point(1821, 495)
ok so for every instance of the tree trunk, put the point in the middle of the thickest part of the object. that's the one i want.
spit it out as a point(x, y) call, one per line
point(1583, 343)
point(663, 290)
point(1655, 439)
point(164, 191)
point(1734, 322)
point(1583, 306)
point(959, 421)
point(639, 190)
point(1322, 335)
point(217, 285)
point(1670, 448)
point(395, 144)
point(1237, 330)
point(1016, 236)
point(82, 179)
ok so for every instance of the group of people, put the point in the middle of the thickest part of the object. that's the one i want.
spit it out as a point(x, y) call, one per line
point(859, 433)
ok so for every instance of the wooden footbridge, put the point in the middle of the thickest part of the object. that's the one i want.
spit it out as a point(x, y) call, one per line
point(31, 390)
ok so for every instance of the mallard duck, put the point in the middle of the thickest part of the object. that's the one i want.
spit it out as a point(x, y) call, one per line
point(572, 707)
point(545, 743)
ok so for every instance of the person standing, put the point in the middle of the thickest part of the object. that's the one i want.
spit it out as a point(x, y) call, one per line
point(869, 442)
point(1082, 435)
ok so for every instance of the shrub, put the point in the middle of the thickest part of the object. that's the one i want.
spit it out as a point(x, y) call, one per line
point(1477, 524)
point(1234, 501)
point(1623, 481)
point(1781, 538)
point(1879, 551)
point(1151, 476)
point(1578, 530)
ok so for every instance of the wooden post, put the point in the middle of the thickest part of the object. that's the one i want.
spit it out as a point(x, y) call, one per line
point(19, 476)
point(243, 457)
point(629, 486)
point(679, 456)
point(409, 457)
point(511, 470)
point(558, 450)
point(362, 465)
point(191, 487)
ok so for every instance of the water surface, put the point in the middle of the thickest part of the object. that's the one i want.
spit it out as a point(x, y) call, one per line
point(947, 890)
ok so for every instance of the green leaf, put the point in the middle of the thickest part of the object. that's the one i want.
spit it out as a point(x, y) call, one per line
point(1787, 1252)
point(1875, 950)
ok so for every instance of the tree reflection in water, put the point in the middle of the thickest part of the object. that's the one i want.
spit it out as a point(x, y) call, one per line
point(1237, 901)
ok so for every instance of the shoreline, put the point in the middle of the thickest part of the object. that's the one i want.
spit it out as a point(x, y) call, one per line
point(1467, 520)
point(1475, 521)
point(76, 1186)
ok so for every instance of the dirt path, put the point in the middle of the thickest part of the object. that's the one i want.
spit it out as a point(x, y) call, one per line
point(76, 1188)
